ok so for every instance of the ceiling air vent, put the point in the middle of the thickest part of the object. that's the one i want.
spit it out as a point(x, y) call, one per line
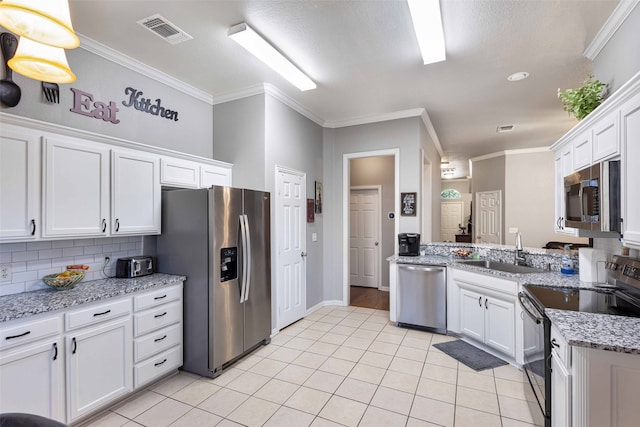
point(505, 128)
point(165, 29)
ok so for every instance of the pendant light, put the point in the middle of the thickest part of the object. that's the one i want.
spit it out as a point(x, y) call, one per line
point(41, 62)
point(45, 21)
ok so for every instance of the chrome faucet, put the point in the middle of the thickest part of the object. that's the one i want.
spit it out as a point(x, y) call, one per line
point(518, 257)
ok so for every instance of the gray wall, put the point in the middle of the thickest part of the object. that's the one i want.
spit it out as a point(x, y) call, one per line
point(239, 138)
point(404, 134)
point(295, 142)
point(432, 157)
point(107, 81)
point(379, 171)
point(619, 60)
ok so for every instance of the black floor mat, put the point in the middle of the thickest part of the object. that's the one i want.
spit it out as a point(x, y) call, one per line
point(473, 357)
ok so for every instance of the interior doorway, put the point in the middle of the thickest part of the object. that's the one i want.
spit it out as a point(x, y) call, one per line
point(365, 266)
point(488, 222)
point(451, 217)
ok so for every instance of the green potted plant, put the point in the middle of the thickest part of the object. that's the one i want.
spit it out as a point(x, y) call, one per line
point(580, 102)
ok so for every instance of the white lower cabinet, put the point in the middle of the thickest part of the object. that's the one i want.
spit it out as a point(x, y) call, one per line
point(32, 369)
point(158, 332)
point(483, 308)
point(560, 393)
point(99, 362)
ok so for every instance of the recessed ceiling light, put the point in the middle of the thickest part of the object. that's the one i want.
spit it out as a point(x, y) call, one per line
point(505, 128)
point(520, 75)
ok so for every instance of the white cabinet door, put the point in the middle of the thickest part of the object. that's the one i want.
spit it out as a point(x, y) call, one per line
point(32, 379)
point(214, 175)
point(499, 330)
point(179, 173)
point(472, 314)
point(135, 198)
point(75, 188)
point(630, 118)
point(563, 166)
point(606, 137)
point(582, 151)
point(19, 184)
point(99, 366)
point(560, 393)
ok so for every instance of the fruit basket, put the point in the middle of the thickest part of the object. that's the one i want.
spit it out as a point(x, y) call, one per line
point(67, 279)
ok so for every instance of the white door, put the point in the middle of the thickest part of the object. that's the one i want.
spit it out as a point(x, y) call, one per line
point(135, 193)
point(364, 237)
point(451, 218)
point(489, 217)
point(291, 245)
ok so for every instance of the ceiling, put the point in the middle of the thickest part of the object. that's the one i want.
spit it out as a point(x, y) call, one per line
point(364, 57)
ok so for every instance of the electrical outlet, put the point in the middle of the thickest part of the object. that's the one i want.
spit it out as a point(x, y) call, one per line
point(5, 273)
point(107, 259)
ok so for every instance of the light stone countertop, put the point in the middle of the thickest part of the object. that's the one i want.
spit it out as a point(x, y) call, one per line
point(26, 304)
point(592, 330)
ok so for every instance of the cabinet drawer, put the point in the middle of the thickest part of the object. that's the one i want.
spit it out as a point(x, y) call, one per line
point(157, 297)
point(157, 366)
point(97, 313)
point(25, 332)
point(156, 318)
point(560, 347)
point(157, 342)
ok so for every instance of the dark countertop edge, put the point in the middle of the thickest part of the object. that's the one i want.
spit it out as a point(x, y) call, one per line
point(122, 287)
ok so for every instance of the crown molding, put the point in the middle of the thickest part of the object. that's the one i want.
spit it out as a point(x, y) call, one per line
point(333, 124)
point(615, 20)
point(432, 131)
point(510, 153)
point(239, 94)
point(119, 58)
point(290, 102)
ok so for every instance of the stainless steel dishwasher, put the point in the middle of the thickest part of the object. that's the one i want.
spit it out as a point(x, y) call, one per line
point(422, 296)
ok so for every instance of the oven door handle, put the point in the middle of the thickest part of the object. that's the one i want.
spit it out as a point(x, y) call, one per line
point(521, 297)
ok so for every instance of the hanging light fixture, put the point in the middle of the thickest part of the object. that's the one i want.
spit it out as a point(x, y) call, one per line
point(41, 62)
point(45, 21)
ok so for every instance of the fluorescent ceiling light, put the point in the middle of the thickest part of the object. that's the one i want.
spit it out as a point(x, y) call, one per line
point(250, 40)
point(427, 23)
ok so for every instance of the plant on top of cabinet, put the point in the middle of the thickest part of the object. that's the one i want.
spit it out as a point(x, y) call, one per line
point(582, 101)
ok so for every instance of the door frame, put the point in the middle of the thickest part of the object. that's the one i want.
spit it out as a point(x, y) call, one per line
point(275, 290)
point(378, 188)
point(346, 190)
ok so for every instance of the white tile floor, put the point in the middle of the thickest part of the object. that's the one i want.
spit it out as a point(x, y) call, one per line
point(338, 366)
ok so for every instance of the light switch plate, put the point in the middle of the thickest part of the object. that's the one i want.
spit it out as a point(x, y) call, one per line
point(314, 237)
point(513, 230)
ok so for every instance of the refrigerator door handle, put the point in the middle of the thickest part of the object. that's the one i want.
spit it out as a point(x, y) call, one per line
point(243, 236)
point(247, 272)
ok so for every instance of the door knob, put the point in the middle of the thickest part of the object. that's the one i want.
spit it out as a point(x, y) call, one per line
point(303, 254)
point(376, 243)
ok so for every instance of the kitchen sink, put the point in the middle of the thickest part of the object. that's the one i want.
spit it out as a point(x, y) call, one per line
point(503, 266)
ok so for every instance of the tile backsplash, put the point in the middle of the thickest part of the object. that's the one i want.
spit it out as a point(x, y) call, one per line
point(31, 261)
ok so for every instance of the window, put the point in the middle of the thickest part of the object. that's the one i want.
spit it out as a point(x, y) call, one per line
point(450, 193)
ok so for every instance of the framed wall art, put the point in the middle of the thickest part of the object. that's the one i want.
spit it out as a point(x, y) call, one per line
point(318, 209)
point(311, 206)
point(408, 204)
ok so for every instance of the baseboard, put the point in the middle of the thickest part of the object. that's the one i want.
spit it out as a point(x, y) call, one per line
point(384, 289)
point(314, 308)
point(338, 302)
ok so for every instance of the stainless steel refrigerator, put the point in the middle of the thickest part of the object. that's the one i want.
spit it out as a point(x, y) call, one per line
point(220, 239)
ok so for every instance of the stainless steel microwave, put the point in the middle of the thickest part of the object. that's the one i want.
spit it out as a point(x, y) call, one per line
point(592, 198)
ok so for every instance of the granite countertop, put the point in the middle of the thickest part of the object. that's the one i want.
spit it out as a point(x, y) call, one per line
point(600, 331)
point(46, 300)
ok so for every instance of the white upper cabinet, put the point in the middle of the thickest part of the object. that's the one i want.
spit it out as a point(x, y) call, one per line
point(75, 188)
point(215, 175)
point(135, 193)
point(179, 173)
point(582, 151)
point(606, 138)
point(630, 130)
point(19, 184)
point(563, 166)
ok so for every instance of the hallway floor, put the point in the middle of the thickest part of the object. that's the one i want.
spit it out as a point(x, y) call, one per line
point(340, 366)
point(369, 298)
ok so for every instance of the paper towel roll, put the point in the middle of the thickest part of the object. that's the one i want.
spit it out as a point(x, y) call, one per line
point(591, 263)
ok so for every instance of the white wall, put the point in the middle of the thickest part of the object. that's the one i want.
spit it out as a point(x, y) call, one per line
point(433, 157)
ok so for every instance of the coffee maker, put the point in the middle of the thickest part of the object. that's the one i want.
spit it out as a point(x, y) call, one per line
point(409, 244)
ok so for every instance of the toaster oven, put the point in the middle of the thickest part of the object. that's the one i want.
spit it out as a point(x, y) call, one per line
point(135, 266)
